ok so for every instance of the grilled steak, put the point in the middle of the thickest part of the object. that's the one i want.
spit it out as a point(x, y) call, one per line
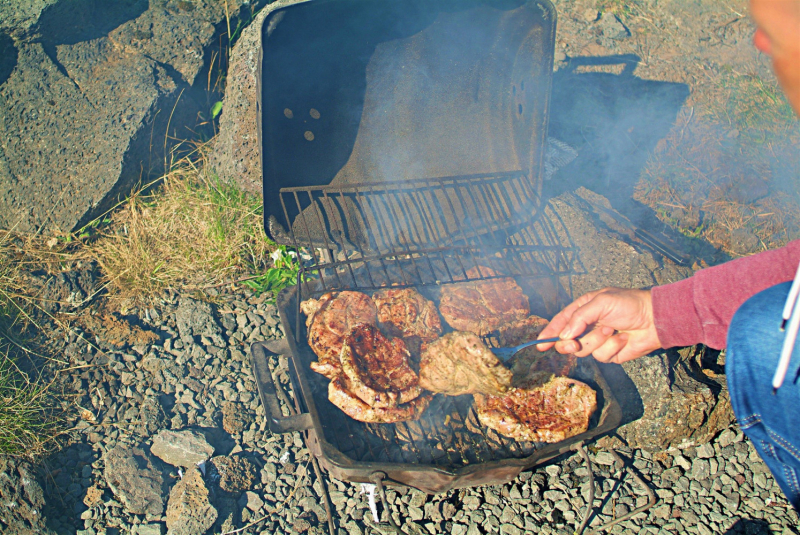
point(530, 362)
point(329, 319)
point(519, 332)
point(405, 313)
point(339, 394)
point(482, 306)
point(460, 363)
point(557, 410)
point(377, 368)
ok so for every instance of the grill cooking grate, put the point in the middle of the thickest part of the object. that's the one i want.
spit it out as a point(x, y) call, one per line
point(421, 232)
point(447, 435)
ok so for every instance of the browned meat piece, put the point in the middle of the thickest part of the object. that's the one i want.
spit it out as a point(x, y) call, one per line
point(406, 314)
point(557, 410)
point(481, 307)
point(329, 319)
point(530, 361)
point(519, 332)
point(460, 363)
point(340, 395)
point(377, 368)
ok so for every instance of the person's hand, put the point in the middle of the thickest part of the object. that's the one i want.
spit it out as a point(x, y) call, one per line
point(621, 323)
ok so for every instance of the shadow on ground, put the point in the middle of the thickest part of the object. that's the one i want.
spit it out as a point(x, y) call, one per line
point(749, 527)
point(74, 21)
point(614, 121)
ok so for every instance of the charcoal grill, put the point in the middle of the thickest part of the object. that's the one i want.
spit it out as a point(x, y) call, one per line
point(411, 189)
point(447, 448)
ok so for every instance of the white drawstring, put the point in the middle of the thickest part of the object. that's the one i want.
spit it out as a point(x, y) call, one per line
point(791, 312)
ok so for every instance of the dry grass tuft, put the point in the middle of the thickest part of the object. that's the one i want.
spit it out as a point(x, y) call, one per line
point(27, 422)
point(192, 231)
point(727, 172)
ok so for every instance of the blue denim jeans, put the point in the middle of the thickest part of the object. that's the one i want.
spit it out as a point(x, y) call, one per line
point(772, 422)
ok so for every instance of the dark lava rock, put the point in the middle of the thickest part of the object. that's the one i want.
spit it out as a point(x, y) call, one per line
point(66, 290)
point(189, 511)
point(152, 416)
point(233, 474)
point(93, 86)
point(235, 417)
point(21, 499)
point(135, 477)
point(196, 318)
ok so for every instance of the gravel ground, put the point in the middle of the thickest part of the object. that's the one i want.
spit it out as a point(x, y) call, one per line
point(197, 375)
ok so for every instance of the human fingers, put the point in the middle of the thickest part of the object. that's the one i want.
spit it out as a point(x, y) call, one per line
point(639, 344)
point(589, 342)
point(595, 309)
point(561, 320)
point(611, 348)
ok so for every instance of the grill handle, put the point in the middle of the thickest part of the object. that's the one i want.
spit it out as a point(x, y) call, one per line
point(260, 353)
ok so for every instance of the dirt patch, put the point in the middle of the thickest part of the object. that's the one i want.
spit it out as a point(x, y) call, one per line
point(117, 331)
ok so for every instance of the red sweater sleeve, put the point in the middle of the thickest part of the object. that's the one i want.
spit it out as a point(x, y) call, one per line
point(699, 309)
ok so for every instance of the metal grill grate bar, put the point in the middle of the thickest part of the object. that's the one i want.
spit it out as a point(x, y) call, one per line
point(421, 232)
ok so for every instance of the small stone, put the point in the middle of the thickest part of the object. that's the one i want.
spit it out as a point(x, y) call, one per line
point(181, 448)
point(671, 475)
point(93, 496)
point(418, 499)
point(663, 511)
point(702, 529)
point(149, 529)
point(254, 501)
point(726, 438)
point(760, 480)
point(553, 495)
point(458, 529)
point(473, 529)
point(701, 469)
point(235, 418)
point(604, 458)
point(553, 470)
point(561, 505)
point(189, 512)
point(705, 451)
point(683, 462)
point(510, 529)
point(415, 513)
point(590, 15)
point(731, 502)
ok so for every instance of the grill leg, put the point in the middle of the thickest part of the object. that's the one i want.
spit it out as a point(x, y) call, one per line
point(651, 496)
point(377, 479)
point(590, 503)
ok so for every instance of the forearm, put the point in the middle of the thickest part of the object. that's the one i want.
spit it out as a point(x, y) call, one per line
point(699, 309)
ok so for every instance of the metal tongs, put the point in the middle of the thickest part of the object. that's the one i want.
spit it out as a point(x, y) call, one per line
point(505, 353)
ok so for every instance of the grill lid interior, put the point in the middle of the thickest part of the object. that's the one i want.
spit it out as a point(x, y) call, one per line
point(357, 91)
